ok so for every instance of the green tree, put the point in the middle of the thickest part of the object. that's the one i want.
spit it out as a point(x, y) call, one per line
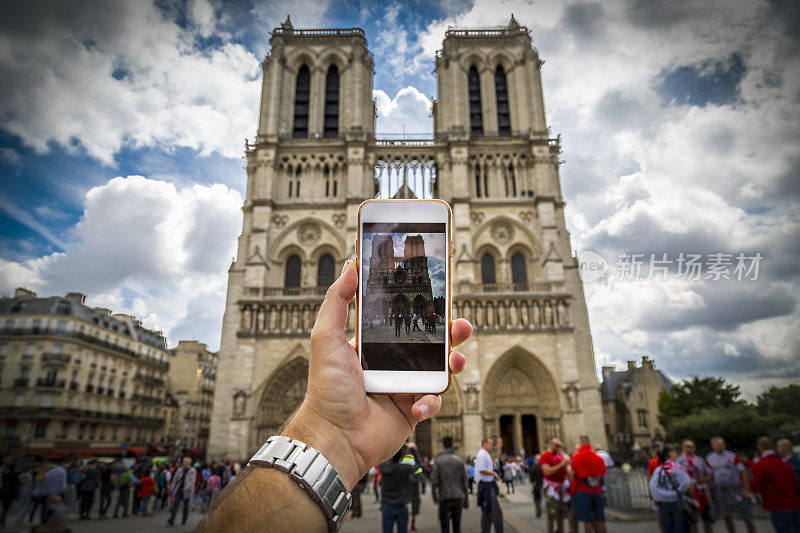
point(695, 395)
point(780, 400)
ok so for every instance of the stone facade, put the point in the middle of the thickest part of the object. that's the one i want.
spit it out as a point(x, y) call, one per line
point(530, 372)
point(192, 375)
point(630, 408)
point(77, 377)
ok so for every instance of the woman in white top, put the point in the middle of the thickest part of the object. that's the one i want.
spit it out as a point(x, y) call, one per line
point(668, 482)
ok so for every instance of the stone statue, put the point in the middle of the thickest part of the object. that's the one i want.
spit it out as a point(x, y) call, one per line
point(501, 315)
point(548, 314)
point(524, 315)
point(239, 403)
point(561, 310)
point(512, 315)
point(536, 316)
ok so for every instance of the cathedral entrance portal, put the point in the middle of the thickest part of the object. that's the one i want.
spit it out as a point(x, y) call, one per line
point(420, 304)
point(283, 393)
point(521, 403)
point(400, 304)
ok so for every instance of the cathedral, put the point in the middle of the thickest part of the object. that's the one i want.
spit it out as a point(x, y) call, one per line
point(530, 371)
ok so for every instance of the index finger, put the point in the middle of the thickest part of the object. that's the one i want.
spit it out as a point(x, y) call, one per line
point(460, 331)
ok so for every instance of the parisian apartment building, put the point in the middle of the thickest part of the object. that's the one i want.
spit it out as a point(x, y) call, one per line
point(76, 378)
point(192, 374)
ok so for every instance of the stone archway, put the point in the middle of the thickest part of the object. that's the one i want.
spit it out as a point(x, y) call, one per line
point(449, 422)
point(283, 393)
point(400, 304)
point(521, 402)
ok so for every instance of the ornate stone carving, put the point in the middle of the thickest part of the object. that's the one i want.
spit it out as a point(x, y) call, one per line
point(502, 232)
point(526, 216)
point(309, 233)
point(472, 399)
point(476, 217)
point(339, 219)
point(279, 220)
point(561, 311)
point(239, 403)
point(571, 395)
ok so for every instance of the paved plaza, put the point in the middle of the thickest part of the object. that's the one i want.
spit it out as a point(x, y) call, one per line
point(519, 516)
point(381, 333)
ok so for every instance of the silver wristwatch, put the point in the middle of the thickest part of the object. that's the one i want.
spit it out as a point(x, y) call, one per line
point(312, 471)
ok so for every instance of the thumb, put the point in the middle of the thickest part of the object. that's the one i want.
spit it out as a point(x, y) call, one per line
point(332, 315)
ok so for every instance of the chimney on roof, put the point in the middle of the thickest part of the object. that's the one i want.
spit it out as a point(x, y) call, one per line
point(631, 366)
point(607, 369)
point(22, 292)
point(103, 310)
point(647, 362)
point(77, 297)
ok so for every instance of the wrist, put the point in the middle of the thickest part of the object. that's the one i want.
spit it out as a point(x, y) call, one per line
point(329, 441)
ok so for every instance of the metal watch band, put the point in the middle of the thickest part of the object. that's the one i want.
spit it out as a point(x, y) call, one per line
point(312, 471)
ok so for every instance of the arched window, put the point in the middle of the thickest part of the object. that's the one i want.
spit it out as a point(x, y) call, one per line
point(301, 96)
point(477, 180)
point(519, 272)
point(475, 114)
point(487, 272)
point(332, 102)
point(325, 268)
point(503, 115)
point(291, 280)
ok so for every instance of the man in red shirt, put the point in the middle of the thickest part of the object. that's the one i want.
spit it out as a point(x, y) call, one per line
point(775, 480)
point(589, 470)
point(556, 486)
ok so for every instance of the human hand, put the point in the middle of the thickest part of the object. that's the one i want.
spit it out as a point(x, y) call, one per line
point(353, 430)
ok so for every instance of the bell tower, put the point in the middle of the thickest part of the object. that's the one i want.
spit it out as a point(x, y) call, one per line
point(306, 174)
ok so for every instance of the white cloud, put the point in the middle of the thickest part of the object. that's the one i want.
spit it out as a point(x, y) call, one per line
point(148, 248)
point(408, 111)
point(125, 74)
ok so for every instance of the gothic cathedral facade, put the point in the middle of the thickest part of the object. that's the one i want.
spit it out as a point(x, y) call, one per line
point(530, 373)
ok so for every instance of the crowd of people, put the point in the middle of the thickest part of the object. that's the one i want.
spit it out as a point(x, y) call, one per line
point(687, 490)
point(45, 494)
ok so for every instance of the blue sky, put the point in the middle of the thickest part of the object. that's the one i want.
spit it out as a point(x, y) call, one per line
point(122, 128)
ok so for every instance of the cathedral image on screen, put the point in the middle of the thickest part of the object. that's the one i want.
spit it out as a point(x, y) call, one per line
point(316, 156)
point(400, 304)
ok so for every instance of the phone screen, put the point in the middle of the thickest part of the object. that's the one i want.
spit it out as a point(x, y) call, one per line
point(403, 290)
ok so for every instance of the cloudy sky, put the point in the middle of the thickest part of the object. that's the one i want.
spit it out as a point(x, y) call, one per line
point(121, 143)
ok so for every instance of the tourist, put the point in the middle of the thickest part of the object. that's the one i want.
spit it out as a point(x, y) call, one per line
point(537, 482)
point(213, 486)
point(509, 472)
point(590, 470)
point(9, 491)
point(668, 482)
point(56, 517)
point(161, 486)
point(39, 494)
point(470, 469)
point(700, 473)
point(449, 486)
point(106, 488)
point(147, 486)
point(125, 481)
point(775, 480)
point(491, 514)
point(26, 478)
point(416, 322)
point(555, 464)
point(731, 490)
point(398, 324)
point(182, 488)
point(414, 481)
point(784, 449)
point(355, 507)
point(407, 322)
point(395, 492)
point(351, 429)
point(88, 483)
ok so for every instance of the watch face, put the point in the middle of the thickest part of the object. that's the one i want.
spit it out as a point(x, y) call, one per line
point(400, 277)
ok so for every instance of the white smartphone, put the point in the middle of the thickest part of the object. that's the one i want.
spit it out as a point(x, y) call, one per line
point(404, 252)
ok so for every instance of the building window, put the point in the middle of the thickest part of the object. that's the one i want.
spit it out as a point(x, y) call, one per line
point(301, 97)
point(291, 280)
point(30, 350)
point(52, 374)
point(9, 325)
point(475, 113)
point(503, 115)
point(641, 416)
point(294, 183)
point(331, 184)
point(24, 372)
point(58, 348)
point(63, 308)
point(40, 432)
point(332, 102)
point(325, 271)
point(487, 270)
point(519, 271)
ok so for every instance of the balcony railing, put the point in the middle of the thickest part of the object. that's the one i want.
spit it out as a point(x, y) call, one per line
point(144, 398)
point(100, 390)
point(21, 382)
point(73, 385)
point(50, 383)
point(89, 388)
point(54, 358)
point(149, 379)
point(509, 287)
point(27, 332)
